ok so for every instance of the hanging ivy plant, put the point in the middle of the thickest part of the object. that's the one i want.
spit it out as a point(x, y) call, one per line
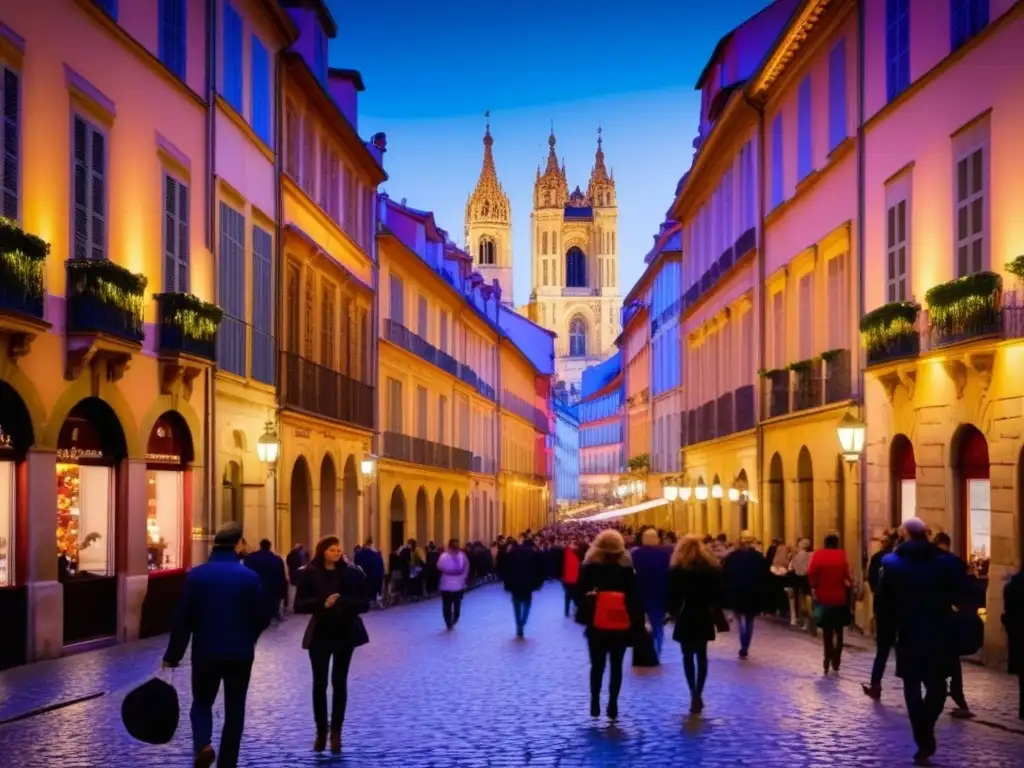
point(13, 239)
point(639, 463)
point(882, 326)
point(21, 275)
point(832, 355)
point(111, 283)
point(197, 319)
point(772, 373)
point(967, 299)
point(802, 366)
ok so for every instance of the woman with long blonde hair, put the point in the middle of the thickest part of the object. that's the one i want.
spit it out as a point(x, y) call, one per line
point(611, 609)
point(695, 599)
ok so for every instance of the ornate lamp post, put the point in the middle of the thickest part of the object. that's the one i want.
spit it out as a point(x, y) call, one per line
point(267, 448)
point(851, 431)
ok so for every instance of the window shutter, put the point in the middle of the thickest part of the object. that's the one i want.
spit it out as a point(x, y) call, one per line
point(837, 94)
point(12, 144)
point(183, 249)
point(170, 234)
point(777, 161)
point(172, 36)
point(81, 193)
point(806, 158)
point(98, 194)
point(957, 23)
point(232, 64)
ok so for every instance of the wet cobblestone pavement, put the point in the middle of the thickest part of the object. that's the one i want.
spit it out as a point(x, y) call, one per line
point(476, 697)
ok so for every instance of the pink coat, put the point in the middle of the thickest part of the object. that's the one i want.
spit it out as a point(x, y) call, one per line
point(454, 570)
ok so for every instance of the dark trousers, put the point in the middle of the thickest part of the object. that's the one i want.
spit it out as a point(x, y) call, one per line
point(745, 624)
point(206, 679)
point(451, 607)
point(885, 639)
point(320, 658)
point(924, 710)
point(600, 653)
point(956, 685)
point(1020, 687)
point(695, 665)
point(569, 598)
point(833, 640)
point(521, 605)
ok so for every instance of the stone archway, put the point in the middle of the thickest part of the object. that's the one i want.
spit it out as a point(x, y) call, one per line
point(397, 513)
point(422, 514)
point(777, 498)
point(972, 498)
point(455, 518)
point(743, 503)
point(350, 504)
point(715, 522)
point(328, 523)
point(437, 534)
point(805, 496)
point(16, 437)
point(301, 504)
point(902, 481)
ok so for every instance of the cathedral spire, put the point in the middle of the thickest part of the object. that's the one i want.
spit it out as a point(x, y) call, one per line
point(552, 157)
point(599, 173)
point(488, 202)
point(600, 190)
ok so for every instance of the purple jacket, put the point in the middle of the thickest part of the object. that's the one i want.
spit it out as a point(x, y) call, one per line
point(651, 564)
point(454, 570)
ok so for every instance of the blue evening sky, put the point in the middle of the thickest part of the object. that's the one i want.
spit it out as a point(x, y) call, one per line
point(432, 69)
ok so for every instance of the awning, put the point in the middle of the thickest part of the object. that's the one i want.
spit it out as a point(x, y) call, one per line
point(617, 512)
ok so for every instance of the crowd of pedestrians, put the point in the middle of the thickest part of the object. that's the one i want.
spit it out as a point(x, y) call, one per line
point(623, 586)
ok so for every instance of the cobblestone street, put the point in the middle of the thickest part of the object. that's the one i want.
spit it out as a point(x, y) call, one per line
point(425, 697)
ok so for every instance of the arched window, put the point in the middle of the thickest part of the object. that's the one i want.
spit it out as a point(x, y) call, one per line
point(575, 268)
point(485, 252)
point(547, 198)
point(578, 337)
point(544, 240)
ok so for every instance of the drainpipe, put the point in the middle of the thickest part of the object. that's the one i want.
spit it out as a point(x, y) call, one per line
point(210, 405)
point(374, 501)
point(279, 258)
point(761, 336)
point(861, 205)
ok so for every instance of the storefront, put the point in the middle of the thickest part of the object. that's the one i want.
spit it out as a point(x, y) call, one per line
point(15, 439)
point(972, 538)
point(904, 481)
point(169, 454)
point(90, 450)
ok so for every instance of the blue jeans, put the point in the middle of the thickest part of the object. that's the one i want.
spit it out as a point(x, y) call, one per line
point(206, 680)
point(521, 605)
point(657, 619)
point(745, 623)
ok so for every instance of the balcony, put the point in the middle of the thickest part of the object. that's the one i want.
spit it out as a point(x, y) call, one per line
point(808, 384)
point(401, 336)
point(187, 336)
point(105, 305)
point(483, 465)
point(22, 287)
point(728, 414)
point(416, 450)
point(321, 391)
point(520, 407)
point(965, 309)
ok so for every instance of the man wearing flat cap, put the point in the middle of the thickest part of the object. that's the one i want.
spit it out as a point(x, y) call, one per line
point(222, 612)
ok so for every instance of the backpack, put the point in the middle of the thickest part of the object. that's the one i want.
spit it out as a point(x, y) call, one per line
point(610, 612)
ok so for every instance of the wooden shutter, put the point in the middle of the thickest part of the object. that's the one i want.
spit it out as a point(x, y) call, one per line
point(12, 144)
point(90, 194)
point(176, 251)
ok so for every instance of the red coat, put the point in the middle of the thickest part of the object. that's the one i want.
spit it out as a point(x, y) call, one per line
point(829, 575)
point(570, 567)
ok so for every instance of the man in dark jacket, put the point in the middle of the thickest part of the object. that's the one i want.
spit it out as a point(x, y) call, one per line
point(918, 587)
point(1013, 622)
point(744, 572)
point(956, 678)
point(651, 560)
point(885, 632)
point(523, 572)
point(295, 560)
point(371, 561)
point(270, 568)
point(222, 612)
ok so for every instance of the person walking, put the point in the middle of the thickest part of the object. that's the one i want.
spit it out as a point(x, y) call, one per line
point(371, 561)
point(523, 571)
point(885, 632)
point(829, 579)
point(572, 557)
point(920, 585)
point(743, 573)
point(613, 613)
point(222, 612)
point(694, 598)
point(453, 565)
point(956, 678)
point(270, 568)
point(800, 608)
point(651, 561)
point(1013, 622)
point(334, 593)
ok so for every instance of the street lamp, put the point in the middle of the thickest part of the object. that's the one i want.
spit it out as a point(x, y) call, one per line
point(622, 490)
point(368, 466)
point(851, 437)
point(267, 449)
point(685, 492)
point(670, 491)
point(734, 494)
point(701, 492)
point(716, 491)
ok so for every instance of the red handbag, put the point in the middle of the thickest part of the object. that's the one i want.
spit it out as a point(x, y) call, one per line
point(610, 612)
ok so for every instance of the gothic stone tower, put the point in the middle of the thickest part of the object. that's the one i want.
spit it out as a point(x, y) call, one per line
point(575, 265)
point(489, 225)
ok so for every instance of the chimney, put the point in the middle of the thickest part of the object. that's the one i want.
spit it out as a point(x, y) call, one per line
point(378, 145)
point(344, 86)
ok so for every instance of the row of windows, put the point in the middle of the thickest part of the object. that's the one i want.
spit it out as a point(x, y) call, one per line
point(436, 420)
point(667, 431)
point(315, 163)
point(601, 408)
point(594, 462)
point(666, 370)
point(721, 361)
point(601, 434)
point(518, 449)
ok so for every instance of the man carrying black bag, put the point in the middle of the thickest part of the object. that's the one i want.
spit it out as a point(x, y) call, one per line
point(222, 611)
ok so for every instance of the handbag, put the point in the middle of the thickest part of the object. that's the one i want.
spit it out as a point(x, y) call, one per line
point(968, 632)
point(610, 612)
point(719, 619)
point(644, 654)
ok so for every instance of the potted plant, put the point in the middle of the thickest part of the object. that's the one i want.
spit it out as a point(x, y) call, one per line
point(890, 331)
point(966, 306)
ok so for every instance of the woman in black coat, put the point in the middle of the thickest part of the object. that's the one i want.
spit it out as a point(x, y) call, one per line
point(1013, 621)
point(335, 593)
point(694, 598)
point(607, 590)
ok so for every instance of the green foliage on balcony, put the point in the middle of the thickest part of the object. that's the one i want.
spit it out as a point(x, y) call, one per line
point(967, 299)
point(833, 355)
point(802, 366)
point(110, 283)
point(772, 373)
point(639, 463)
point(889, 322)
point(21, 262)
point(197, 319)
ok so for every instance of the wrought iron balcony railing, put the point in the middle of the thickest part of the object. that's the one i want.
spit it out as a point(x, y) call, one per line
point(105, 298)
point(316, 389)
point(187, 325)
point(416, 450)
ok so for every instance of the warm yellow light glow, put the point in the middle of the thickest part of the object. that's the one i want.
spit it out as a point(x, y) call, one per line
point(734, 494)
point(716, 491)
point(851, 437)
point(685, 492)
point(701, 492)
point(671, 492)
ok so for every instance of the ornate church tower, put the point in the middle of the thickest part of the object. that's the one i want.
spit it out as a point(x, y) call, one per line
point(575, 264)
point(489, 225)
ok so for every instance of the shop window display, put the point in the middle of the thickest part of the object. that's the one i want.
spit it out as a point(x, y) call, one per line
point(908, 499)
point(83, 521)
point(979, 527)
point(164, 519)
point(6, 523)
